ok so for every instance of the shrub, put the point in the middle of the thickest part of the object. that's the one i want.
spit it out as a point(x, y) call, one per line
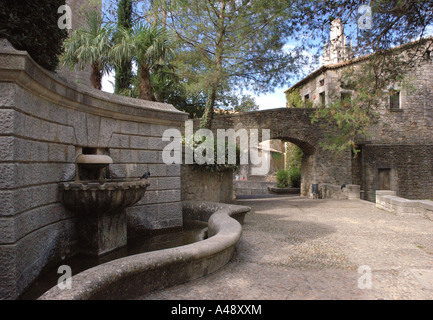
point(282, 178)
point(294, 174)
point(189, 143)
point(32, 26)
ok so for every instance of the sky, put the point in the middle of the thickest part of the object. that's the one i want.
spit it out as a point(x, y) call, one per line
point(268, 101)
point(277, 99)
point(274, 100)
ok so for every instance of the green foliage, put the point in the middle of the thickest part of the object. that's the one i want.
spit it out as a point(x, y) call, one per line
point(294, 99)
point(293, 155)
point(395, 23)
point(276, 156)
point(151, 48)
point(294, 174)
point(32, 26)
point(124, 14)
point(229, 45)
point(123, 78)
point(291, 177)
point(353, 119)
point(282, 178)
point(231, 101)
point(90, 45)
point(216, 167)
point(246, 103)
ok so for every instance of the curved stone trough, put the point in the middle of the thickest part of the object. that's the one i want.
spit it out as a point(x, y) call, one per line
point(143, 273)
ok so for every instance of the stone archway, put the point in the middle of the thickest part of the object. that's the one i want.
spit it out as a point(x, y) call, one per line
point(294, 125)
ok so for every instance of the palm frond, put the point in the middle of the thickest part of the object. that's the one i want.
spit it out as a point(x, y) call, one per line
point(89, 45)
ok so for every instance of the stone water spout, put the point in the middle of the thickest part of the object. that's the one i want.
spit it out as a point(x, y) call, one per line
point(100, 203)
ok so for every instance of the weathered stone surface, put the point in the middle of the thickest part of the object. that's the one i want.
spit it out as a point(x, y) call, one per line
point(7, 120)
point(119, 141)
point(199, 184)
point(388, 201)
point(107, 127)
point(411, 169)
point(143, 273)
point(45, 124)
point(294, 125)
point(92, 125)
point(14, 228)
point(402, 142)
point(138, 142)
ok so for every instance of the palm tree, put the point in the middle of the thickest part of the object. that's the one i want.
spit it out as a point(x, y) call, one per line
point(150, 47)
point(89, 46)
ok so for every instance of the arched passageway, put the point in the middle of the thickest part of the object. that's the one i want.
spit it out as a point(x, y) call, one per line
point(294, 125)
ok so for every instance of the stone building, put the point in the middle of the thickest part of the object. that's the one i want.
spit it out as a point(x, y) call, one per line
point(337, 50)
point(399, 153)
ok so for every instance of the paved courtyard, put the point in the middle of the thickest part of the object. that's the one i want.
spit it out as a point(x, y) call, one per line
point(297, 248)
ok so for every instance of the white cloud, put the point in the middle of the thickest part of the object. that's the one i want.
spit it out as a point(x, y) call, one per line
point(429, 31)
point(271, 100)
point(108, 82)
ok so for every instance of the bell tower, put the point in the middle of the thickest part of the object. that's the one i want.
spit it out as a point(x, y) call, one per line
point(337, 49)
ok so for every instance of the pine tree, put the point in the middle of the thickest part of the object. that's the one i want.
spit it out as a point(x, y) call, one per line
point(123, 77)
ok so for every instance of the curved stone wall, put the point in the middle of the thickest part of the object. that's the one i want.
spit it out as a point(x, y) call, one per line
point(143, 273)
point(45, 123)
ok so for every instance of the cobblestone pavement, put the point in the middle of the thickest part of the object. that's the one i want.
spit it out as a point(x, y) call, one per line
point(297, 248)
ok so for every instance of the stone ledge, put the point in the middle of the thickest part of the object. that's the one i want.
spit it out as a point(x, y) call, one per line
point(278, 190)
point(388, 201)
point(334, 191)
point(143, 273)
point(18, 67)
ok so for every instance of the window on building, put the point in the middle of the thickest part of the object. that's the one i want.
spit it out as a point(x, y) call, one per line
point(322, 82)
point(307, 101)
point(394, 100)
point(346, 99)
point(322, 98)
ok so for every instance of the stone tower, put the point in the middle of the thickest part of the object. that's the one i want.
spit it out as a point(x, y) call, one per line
point(79, 8)
point(337, 50)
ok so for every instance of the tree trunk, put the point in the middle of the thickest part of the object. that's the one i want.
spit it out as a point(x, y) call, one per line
point(206, 121)
point(123, 77)
point(146, 92)
point(96, 76)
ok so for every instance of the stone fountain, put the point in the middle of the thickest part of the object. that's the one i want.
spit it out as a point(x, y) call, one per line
point(100, 203)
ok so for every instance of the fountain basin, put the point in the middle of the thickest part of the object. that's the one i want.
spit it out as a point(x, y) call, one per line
point(91, 197)
point(143, 273)
point(100, 209)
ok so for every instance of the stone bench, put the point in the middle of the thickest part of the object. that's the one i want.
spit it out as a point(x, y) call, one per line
point(388, 200)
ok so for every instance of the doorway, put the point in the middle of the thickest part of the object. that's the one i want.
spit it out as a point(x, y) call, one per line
point(384, 179)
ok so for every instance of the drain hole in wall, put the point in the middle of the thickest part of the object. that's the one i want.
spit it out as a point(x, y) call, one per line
point(87, 150)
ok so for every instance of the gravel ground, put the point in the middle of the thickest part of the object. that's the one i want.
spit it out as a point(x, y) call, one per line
point(297, 248)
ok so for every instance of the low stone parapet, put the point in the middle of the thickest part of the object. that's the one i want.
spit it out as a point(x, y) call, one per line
point(244, 187)
point(388, 200)
point(199, 184)
point(334, 191)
